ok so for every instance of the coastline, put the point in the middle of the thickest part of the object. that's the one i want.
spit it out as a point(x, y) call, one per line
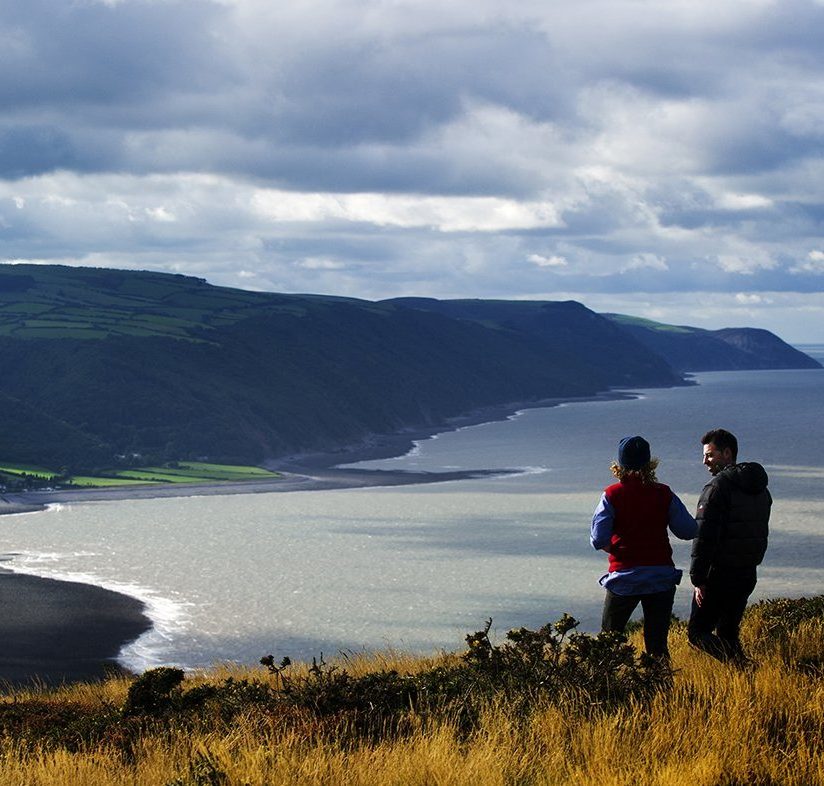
point(315, 471)
point(56, 632)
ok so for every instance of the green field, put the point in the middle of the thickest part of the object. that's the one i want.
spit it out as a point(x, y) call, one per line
point(26, 469)
point(195, 472)
point(182, 472)
point(51, 303)
point(87, 481)
point(661, 327)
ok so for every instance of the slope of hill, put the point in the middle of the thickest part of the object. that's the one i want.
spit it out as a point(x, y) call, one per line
point(171, 367)
point(104, 365)
point(695, 349)
point(568, 332)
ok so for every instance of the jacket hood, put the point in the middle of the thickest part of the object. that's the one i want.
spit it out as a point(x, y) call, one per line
point(749, 476)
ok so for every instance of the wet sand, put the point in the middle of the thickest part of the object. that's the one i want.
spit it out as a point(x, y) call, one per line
point(55, 632)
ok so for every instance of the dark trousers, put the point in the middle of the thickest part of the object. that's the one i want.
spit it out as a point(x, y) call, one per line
point(657, 607)
point(714, 625)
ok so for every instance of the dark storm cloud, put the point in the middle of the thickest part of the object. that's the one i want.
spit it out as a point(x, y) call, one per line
point(31, 149)
point(66, 56)
point(162, 86)
point(360, 92)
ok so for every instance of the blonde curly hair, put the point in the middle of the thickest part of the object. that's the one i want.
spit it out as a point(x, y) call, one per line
point(646, 474)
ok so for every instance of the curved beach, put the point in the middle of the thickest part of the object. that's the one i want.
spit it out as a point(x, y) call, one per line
point(314, 471)
point(58, 631)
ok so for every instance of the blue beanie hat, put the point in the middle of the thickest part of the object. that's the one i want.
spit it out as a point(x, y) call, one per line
point(633, 452)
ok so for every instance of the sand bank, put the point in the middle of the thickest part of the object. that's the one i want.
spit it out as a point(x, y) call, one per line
point(60, 631)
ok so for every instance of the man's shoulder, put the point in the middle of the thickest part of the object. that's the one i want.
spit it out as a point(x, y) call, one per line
point(716, 489)
point(723, 480)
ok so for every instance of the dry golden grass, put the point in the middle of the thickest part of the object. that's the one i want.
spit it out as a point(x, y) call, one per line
point(717, 726)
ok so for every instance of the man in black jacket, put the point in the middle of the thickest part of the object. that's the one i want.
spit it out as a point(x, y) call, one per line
point(733, 525)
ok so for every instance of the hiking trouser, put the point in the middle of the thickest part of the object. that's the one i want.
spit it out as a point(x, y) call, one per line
point(714, 625)
point(657, 608)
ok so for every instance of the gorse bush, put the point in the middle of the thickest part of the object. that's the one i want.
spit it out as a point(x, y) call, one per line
point(153, 692)
point(779, 617)
point(557, 664)
point(530, 668)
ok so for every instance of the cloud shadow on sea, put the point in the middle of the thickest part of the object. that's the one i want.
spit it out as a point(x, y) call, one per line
point(552, 535)
point(795, 550)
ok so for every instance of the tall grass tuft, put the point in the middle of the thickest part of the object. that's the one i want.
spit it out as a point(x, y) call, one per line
point(534, 709)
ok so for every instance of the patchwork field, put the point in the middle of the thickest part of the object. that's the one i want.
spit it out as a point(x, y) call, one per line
point(179, 472)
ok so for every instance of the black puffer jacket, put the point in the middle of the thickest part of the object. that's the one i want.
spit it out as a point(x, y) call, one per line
point(733, 521)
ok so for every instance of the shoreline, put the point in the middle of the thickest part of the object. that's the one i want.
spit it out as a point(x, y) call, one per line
point(56, 631)
point(399, 443)
point(315, 471)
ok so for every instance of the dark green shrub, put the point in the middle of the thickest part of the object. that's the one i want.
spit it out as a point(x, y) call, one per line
point(780, 616)
point(153, 692)
point(531, 668)
point(557, 664)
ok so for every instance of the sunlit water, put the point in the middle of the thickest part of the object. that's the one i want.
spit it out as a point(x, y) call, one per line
point(234, 578)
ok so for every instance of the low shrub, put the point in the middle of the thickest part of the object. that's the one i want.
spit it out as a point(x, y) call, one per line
point(531, 668)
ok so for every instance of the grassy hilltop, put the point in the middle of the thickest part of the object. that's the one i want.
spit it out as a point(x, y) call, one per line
point(545, 707)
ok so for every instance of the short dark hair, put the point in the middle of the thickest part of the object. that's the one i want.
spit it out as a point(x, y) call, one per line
point(722, 439)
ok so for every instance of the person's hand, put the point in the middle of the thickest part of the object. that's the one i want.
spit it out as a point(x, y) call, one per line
point(699, 595)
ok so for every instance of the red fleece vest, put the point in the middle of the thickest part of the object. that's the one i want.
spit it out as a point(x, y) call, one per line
point(639, 532)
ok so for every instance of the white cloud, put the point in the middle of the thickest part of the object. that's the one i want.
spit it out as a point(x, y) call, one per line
point(649, 261)
point(751, 299)
point(730, 201)
point(814, 264)
point(161, 214)
point(551, 261)
point(315, 263)
point(445, 214)
point(746, 264)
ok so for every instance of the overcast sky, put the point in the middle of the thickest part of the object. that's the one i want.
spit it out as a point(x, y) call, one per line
point(663, 158)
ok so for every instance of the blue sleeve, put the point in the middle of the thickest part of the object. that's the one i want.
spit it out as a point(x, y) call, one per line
point(600, 535)
point(681, 523)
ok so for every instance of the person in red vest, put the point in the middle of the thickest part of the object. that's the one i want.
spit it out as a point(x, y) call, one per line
point(632, 523)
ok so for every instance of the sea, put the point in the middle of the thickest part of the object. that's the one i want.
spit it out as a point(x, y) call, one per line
point(229, 579)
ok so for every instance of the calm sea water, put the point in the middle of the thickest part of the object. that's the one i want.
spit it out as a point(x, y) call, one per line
point(234, 578)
